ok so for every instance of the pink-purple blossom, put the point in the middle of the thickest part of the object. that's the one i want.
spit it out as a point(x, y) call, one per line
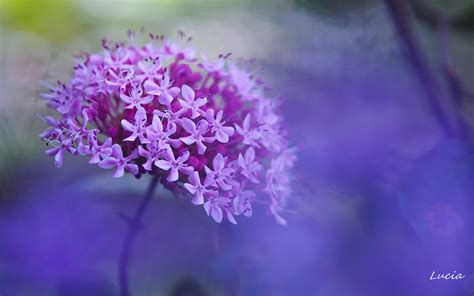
point(248, 166)
point(190, 102)
point(96, 151)
point(135, 97)
point(157, 133)
point(137, 128)
point(208, 126)
point(196, 133)
point(221, 132)
point(120, 163)
point(165, 91)
point(250, 133)
point(198, 190)
point(223, 174)
point(174, 165)
point(216, 207)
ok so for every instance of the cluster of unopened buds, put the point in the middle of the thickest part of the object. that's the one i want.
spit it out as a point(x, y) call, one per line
point(207, 128)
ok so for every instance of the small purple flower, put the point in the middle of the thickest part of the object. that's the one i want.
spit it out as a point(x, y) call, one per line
point(190, 102)
point(251, 135)
point(196, 134)
point(137, 129)
point(185, 53)
point(80, 130)
point(64, 98)
point(222, 133)
point(115, 81)
point(174, 165)
point(212, 67)
point(65, 145)
point(265, 112)
point(156, 132)
point(117, 161)
point(222, 174)
point(51, 131)
point(199, 190)
point(135, 99)
point(275, 209)
point(148, 69)
point(170, 115)
point(164, 91)
point(117, 58)
point(278, 182)
point(96, 150)
point(151, 153)
point(248, 166)
point(243, 81)
point(271, 137)
point(216, 207)
point(243, 202)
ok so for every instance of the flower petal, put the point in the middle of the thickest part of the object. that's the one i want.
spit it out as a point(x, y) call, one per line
point(188, 125)
point(173, 175)
point(191, 188)
point(188, 93)
point(126, 98)
point(165, 99)
point(128, 126)
point(216, 214)
point(198, 199)
point(132, 168)
point(174, 91)
point(146, 100)
point(221, 136)
point(201, 147)
point(152, 88)
point(189, 140)
point(132, 137)
point(119, 172)
point(108, 163)
point(231, 218)
point(194, 179)
point(163, 164)
point(241, 161)
point(249, 155)
point(207, 207)
point(202, 126)
point(218, 162)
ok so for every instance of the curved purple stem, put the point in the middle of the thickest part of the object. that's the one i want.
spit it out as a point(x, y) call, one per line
point(134, 226)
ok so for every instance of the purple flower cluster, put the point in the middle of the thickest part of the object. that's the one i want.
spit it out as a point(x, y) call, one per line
point(207, 127)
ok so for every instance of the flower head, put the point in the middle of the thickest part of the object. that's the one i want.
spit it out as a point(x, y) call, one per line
point(206, 126)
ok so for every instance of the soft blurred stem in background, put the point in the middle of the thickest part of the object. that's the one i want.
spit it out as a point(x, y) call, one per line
point(135, 225)
point(445, 108)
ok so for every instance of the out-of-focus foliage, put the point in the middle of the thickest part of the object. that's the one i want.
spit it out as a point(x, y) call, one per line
point(55, 20)
point(465, 19)
point(333, 6)
point(459, 12)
